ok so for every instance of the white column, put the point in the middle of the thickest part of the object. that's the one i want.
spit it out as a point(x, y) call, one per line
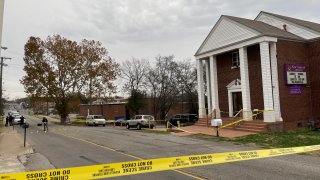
point(202, 110)
point(230, 103)
point(214, 86)
point(245, 86)
point(275, 82)
point(266, 83)
point(208, 86)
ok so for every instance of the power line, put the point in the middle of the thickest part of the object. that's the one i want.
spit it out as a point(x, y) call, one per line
point(15, 53)
point(15, 65)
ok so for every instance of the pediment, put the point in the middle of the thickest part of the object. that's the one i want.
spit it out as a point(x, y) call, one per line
point(226, 32)
point(235, 84)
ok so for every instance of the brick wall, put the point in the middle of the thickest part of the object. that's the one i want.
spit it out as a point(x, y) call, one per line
point(255, 77)
point(109, 111)
point(295, 109)
point(314, 61)
point(225, 76)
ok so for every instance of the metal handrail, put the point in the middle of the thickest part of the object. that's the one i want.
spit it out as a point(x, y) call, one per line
point(238, 113)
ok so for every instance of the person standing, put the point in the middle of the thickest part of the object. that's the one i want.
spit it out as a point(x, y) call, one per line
point(21, 120)
point(45, 124)
point(11, 120)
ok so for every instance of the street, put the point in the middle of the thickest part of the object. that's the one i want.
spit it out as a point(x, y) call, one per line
point(71, 146)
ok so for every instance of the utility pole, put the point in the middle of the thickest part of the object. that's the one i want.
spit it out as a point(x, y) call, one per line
point(1, 103)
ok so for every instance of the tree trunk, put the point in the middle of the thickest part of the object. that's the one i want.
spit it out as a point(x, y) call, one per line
point(62, 108)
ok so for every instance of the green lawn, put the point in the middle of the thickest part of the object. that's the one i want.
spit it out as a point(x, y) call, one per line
point(301, 137)
point(166, 131)
point(284, 139)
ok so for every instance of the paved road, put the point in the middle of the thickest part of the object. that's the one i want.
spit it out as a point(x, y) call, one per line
point(68, 146)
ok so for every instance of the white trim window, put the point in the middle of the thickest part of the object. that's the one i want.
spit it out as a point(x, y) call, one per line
point(235, 61)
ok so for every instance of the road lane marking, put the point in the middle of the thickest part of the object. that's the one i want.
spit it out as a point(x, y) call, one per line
point(135, 157)
point(156, 165)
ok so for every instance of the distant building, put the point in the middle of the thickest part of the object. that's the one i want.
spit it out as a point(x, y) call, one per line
point(110, 110)
point(271, 63)
point(99, 101)
point(118, 108)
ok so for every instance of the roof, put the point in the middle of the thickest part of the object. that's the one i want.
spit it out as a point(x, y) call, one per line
point(308, 24)
point(264, 28)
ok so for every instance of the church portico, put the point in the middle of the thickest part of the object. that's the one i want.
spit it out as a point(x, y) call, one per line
point(232, 67)
point(266, 66)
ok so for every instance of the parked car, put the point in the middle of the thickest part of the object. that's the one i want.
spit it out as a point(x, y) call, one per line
point(120, 120)
point(140, 121)
point(17, 119)
point(183, 118)
point(13, 113)
point(95, 120)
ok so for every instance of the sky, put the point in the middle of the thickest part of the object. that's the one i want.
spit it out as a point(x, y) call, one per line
point(128, 28)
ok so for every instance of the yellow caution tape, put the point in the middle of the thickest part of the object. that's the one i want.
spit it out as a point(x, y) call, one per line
point(246, 118)
point(179, 128)
point(153, 165)
point(235, 122)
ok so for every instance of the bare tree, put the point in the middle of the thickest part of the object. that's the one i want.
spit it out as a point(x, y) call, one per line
point(134, 73)
point(187, 83)
point(163, 82)
point(167, 82)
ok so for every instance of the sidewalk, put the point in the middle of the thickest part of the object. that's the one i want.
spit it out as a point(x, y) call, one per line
point(189, 130)
point(11, 147)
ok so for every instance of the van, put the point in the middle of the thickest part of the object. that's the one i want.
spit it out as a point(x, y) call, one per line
point(95, 120)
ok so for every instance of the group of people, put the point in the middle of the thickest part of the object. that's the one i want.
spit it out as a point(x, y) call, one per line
point(10, 120)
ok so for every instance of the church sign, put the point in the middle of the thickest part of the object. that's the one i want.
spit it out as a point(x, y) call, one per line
point(295, 74)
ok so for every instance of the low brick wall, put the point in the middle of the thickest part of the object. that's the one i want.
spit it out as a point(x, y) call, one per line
point(275, 126)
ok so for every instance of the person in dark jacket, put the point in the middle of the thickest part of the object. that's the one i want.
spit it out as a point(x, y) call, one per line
point(21, 120)
point(45, 124)
point(11, 118)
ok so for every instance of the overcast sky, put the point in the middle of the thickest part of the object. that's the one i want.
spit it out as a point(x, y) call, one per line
point(128, 28)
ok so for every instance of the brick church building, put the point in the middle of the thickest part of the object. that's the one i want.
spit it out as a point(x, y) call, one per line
point(271, 63)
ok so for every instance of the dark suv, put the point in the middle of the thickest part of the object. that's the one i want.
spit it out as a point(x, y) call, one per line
point(184, 118)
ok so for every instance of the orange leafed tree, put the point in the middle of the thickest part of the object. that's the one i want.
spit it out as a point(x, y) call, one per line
point(57, 68)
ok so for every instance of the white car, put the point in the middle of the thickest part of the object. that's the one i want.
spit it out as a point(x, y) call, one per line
point(95, 120)
point(17, 119)
point(13, 113)
point(139, 121)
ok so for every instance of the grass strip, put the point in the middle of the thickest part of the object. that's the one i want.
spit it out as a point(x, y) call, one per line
point(155, 131)
point(283, 139)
